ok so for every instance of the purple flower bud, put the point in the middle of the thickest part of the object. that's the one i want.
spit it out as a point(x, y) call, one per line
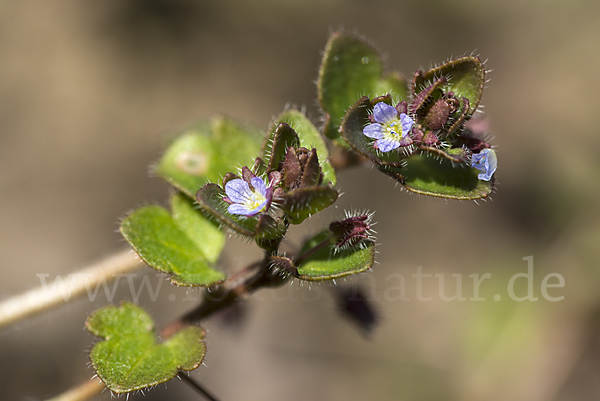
point(248, 175)
point(437, 115)
point(430, 138)
point(417, 134)
point(352, 230)
point(420, 99)
point(402, 107)
point(228, 177)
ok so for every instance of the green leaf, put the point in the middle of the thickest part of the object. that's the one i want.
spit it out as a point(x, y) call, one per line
point(352, 68)
point(310, 138)
point(441, 177)
point(301, 203)
point(394, 83)
point(330, 263)
point(466, 78)
point(206, 152)
point(205, 234)
point(352, 131)
point(130, 358)
point(210, 198)
point(183, 246)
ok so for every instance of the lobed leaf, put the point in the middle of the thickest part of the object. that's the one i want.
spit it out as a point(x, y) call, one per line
point(206, 152)
point(130, 358)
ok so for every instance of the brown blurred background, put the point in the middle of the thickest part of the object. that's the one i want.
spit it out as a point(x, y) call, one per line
point(91, 91)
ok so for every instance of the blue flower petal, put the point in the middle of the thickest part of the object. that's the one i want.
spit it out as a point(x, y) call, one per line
point(384, 112)
point(237, 208)
point(374, 131)
point(387, 144)
point(479, 160)
point(407, 123)
point(484, 176)
point(486, 162)
point(259, 186)
point(237, 190)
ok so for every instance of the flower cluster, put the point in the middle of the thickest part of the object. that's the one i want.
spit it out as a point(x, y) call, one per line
point(436, 123)
point(295, 184)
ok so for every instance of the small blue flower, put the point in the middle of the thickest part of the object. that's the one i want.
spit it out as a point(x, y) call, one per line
point(486, 162)
point(390, 128)
point(247, 199)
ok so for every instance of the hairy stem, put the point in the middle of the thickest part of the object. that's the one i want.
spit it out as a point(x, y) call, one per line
point(51, 295)
point(237, 287)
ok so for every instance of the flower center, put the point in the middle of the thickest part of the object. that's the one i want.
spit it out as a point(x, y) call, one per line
point(393, 130)
point(255, 200)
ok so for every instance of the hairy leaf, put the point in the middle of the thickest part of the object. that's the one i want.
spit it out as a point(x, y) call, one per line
point(394, 83)
point(465, 77)
point(301, 203)
point(352, 68)
point(206, 152)
point(439, 176)
point(130, 358)
point(205, 234)
point(184, 245)
point(330, 263)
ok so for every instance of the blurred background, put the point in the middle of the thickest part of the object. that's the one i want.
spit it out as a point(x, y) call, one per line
point(92, 91)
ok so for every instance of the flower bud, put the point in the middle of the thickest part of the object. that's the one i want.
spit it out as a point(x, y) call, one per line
point(437, 115)
point(350, 231)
